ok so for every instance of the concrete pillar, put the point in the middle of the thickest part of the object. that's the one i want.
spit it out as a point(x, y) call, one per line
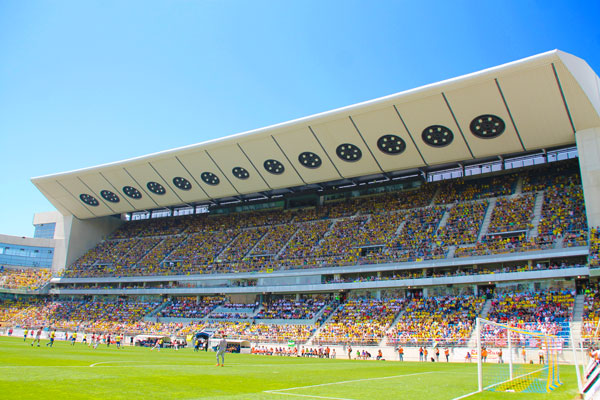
point(425, 292)
point(588, 148)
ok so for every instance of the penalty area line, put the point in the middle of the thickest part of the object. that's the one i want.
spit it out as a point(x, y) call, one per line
point(281, 391)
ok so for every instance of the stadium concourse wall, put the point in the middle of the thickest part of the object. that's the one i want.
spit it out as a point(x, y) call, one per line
point(370, 285)
point(310, 280)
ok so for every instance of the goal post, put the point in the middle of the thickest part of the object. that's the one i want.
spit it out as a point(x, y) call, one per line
point(512, 359)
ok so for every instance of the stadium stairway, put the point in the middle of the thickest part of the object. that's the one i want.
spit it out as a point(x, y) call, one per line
point(183, 242)
point(285, 245)
point(537, 214)
point(578, 308)
point(485, 309)
point(309, 341)
point(44, 289)
point(434, 197)
point(385, 337)
point(319, 313)
point(225, 248)
point(577, 318)
point(147, 252)
point(472, 342)
point(151, 316)
point(558, 243)
point(519, 186)
point(487, 219)
point(451, 251)
point(445, 218)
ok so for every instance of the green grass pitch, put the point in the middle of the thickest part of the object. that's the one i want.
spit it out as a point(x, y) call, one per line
point(79, 372)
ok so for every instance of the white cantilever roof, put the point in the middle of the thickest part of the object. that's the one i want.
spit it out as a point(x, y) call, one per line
point(534, 103)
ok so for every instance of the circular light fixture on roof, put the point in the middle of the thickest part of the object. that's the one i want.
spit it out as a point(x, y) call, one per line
point(182, 183)
point(348, 152)
point(156, 188)
point(240, 173)
point(487, 126)
point(274, 167)
point(109, 196)
point(89, 199)
point(437, 136)
point(210, 178)
point(309, 160)
point(132, 192)
point(391, 144)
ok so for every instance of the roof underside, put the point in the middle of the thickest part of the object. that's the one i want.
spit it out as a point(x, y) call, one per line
point(535, 103)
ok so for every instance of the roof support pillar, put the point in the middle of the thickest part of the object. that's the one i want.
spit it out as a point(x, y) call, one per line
point(588, 148)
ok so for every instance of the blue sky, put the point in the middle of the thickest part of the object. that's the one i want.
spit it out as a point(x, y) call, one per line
point(89, 82)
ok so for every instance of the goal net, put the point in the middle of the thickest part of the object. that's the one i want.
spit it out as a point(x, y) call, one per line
point(511, 359)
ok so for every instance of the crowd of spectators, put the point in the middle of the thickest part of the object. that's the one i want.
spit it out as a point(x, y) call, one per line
point(299, 249)
point(82, 315)
point(259, 332)
point(416, 239)
point(540, 306)
point(272, 243)
point(11, 310)
point(546, 311)
point(443, 320)
point(512, 214)
point(242, 244)
point(25, 278)
point(563, 213)
point(564, 173)
point(463, 224)
point(594, 256)
point(591, 313)
point(360, 322)
point(190, 307)
point(462, 190)
point(382, 228)
point(291, 309)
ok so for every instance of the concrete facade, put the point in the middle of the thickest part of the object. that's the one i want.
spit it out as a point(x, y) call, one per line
point(588, 147)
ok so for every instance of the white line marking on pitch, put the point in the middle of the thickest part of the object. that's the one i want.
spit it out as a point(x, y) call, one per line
point(111, 362)
point(279, 391)
point(308, 395)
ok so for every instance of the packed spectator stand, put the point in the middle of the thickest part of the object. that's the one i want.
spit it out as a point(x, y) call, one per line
point(433, 221)
point(443, 320)
point(24, 278)
point(510, 213)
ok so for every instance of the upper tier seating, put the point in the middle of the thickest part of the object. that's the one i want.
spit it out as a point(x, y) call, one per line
point(25, 279)
point(389, 227)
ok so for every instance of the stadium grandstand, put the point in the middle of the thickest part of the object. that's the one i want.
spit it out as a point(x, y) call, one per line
point(394, 222)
